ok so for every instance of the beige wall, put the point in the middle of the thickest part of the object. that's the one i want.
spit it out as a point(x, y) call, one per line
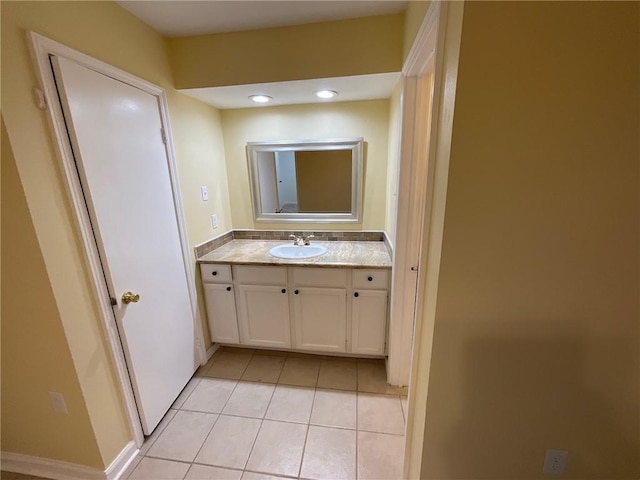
point(108, 32)
point(323, 181)
point(319, 50)
point(413, 17)
point(35, 354)
point(393, 160)
point(368, 119)
point(536, 340)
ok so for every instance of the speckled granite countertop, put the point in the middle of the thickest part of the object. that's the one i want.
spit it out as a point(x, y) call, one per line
point(339, 254)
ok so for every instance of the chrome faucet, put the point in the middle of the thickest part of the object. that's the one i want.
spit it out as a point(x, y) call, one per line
point(301, 240)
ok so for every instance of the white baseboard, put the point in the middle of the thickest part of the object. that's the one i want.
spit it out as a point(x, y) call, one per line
point(211, 350)
point(45, 467)
point(59, 470)
point(122, 461)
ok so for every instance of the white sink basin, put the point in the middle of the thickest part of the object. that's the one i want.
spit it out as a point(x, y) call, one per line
point(297, 251)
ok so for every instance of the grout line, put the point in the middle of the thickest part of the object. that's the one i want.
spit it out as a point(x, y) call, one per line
point(253, 444)
point(259, 428)
point(168, 459)
point(357, 422)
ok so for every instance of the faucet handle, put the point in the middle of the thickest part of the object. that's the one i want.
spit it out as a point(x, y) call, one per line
point(306, 239)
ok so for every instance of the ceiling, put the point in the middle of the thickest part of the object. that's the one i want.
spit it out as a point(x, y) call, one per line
point(185, 18)
point(361, 87)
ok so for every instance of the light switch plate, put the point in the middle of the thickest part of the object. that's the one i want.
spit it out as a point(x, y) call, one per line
point(205, 193)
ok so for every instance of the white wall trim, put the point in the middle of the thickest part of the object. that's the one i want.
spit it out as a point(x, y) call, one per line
point(41, 48)
point(59, 470)
point(413, 180)
point(211, 350)
point(122, 461)
point(44, 467)
point(445, 83)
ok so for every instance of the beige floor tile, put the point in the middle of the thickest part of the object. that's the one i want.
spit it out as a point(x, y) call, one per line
point(264, 368)
point(329, 453)
point(204, 472)
point(184, 436)
point(291, 404)
point(229, 364)
point(334, 408)
point(338, 374)
point(260, 476)
point(249, 400)
point(278, 448)
point(186, 392)
point(230, 441)
point(380, 456)
point(156, 469)
point(301, 371)
point(380, 413)
point(372, 378)
point(150, 440)
point(210, 395)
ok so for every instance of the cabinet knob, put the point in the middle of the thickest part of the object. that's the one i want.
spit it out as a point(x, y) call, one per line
point(296, 292)
point(228, 289)
point(214, 273)
point(356, 294)
point(370, 279)
point(284, 290)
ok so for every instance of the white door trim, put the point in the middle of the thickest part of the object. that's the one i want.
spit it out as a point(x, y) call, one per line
point(416, 129)
point(445, 18)
point(41, 48)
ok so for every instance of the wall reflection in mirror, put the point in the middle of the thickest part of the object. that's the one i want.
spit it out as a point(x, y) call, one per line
point(296, 181)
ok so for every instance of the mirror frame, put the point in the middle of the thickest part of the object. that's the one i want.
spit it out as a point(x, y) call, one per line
point(355, 144)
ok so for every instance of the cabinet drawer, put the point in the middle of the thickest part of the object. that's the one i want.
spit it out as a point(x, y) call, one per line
point(370, 278)
point(214, 273)
point(320, 277)
point(261, 275)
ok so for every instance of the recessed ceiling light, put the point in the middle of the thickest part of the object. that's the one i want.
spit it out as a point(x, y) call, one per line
point(326, 93)
point(261, 98)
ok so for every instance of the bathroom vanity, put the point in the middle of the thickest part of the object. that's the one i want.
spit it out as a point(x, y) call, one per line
point(335, 303)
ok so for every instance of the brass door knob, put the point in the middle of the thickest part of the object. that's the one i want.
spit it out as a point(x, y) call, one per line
point(130, 297)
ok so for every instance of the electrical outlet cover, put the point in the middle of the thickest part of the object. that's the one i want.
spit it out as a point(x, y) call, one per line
point(555, 462)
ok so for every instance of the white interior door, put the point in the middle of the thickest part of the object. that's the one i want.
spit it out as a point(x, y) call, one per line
point(116, 136)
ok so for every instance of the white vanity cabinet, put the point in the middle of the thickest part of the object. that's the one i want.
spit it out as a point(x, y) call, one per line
point(320, 309)
point(312, 309)
point(263, 306)
point(220, 302)
point(369, 311)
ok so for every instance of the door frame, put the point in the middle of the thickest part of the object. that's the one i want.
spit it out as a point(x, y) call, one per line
point(41, 47)
point(413, 185)
point(437, 46)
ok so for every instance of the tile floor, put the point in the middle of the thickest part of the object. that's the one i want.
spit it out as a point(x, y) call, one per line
point(264, 415)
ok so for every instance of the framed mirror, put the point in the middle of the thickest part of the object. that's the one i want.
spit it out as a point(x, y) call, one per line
point(306, 180)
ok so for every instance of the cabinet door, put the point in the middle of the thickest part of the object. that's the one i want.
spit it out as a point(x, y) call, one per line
point(369, 322)
point(263, 316)
point(320, 316)
point(221, 313)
